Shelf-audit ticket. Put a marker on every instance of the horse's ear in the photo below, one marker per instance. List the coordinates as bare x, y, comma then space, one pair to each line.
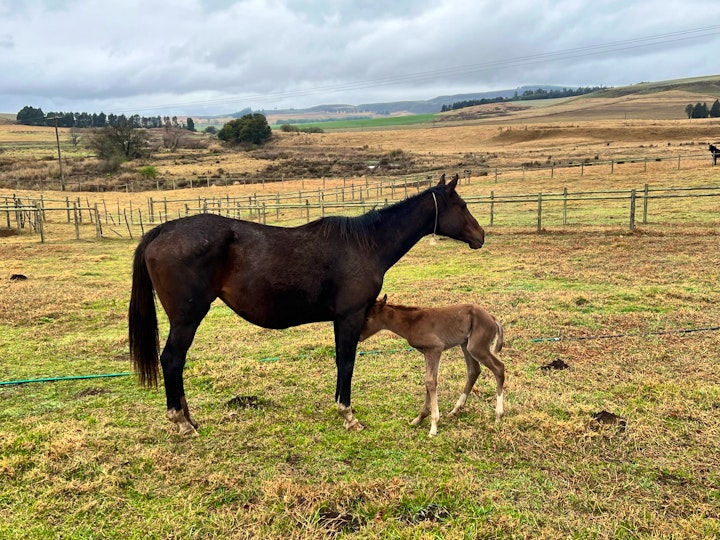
442, 180
384, 300
453, 183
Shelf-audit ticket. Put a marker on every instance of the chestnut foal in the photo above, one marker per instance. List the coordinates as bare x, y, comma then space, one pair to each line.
434, 330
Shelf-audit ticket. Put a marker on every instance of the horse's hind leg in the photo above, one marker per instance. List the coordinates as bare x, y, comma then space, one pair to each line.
473, 371
482, 353
172, 361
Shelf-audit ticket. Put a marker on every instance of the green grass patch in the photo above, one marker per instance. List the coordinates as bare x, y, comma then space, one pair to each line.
374, 123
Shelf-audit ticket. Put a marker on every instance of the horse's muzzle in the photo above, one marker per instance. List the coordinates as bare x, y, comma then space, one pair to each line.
476, 244
476, 239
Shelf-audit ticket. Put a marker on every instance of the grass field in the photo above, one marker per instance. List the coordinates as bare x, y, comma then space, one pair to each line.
96, 458
375, 123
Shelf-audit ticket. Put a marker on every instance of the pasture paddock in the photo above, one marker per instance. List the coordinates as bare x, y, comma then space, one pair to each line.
92, 458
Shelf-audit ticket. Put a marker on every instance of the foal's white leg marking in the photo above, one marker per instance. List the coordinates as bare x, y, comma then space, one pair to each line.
459, 405
435, 415
178, 418
350, 423
499, 407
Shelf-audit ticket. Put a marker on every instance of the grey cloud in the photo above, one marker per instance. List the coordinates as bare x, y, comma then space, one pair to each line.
225, 55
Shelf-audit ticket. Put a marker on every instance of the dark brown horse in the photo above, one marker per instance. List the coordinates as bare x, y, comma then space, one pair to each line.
331, 269
715, 152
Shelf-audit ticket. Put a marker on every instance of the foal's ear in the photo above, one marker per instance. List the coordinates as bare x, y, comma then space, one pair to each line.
383, 301
442, 180
453, 183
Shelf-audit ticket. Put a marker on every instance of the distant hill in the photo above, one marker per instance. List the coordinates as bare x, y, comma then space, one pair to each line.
433, 105
666, 100
702, 86
708, 85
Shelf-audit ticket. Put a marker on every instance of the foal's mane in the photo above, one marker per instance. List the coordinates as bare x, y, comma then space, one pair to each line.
359, 228
400, 307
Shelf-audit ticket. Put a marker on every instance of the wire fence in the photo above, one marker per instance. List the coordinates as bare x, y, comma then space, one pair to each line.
70, 218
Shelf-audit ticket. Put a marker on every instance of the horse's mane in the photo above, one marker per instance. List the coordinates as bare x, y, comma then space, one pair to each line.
358, 228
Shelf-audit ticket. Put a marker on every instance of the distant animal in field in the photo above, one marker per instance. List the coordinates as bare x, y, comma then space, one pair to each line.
434, 330
715, 153
331, 269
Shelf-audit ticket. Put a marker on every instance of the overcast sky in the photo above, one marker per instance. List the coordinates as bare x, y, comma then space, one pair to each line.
196, 57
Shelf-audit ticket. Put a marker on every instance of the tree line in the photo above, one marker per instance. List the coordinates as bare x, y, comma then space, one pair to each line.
539, 93
31, 116
701, 110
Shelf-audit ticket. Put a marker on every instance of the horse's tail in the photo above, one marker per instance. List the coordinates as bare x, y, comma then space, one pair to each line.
500, 341
142, 317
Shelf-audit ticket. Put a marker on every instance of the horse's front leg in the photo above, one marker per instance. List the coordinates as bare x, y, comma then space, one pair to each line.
432, 366
347, 331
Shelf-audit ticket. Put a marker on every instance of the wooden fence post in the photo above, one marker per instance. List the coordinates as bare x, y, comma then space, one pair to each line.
565, 196
632, 210
539, 213
39, 220
77, 224
492, 208
98, 224
646, 195
127, 224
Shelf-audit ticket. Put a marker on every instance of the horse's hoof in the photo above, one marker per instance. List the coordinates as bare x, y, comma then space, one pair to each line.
188, 431
185, 428
354, 426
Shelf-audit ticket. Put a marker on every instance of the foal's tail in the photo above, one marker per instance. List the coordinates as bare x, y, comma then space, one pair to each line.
500, 342
142, 318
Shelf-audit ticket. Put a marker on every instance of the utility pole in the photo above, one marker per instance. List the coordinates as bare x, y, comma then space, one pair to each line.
57, 138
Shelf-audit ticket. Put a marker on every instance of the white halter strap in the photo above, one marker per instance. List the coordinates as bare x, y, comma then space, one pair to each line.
436, 213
